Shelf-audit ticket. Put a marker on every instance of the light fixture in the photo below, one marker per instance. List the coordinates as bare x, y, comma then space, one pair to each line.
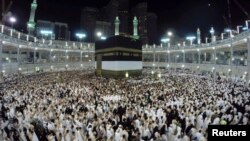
12, 20
191, 39
212, 30
81, 35
99, 34
228, 30
170, 33
103, 38
46, 32
152, 72
165, 40
244, 28
126, 75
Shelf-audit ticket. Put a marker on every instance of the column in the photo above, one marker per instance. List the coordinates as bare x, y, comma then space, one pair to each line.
158, 61
169, 58
2, 27
205, 57
245, 60
40, 56
81, 56
10, 56
1, 61
166, 59
184, 57
18, 55
248, 59
232, 55
93, 55
154, 60
175, 61
50, 56
192, 57
65, 57
90, 47
215, 57
199, 56
34, 56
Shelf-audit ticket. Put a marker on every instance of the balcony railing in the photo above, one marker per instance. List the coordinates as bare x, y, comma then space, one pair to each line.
15, 37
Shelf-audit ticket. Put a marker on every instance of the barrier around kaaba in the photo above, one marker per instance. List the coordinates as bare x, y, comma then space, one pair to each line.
119, 56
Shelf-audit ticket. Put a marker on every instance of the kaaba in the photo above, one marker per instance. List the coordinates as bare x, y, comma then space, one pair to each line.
119, 56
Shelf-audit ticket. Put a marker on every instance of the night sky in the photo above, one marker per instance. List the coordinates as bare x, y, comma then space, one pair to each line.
181, 16
185, 16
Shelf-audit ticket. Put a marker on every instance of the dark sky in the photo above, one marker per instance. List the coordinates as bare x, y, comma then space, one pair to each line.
68, 11
185, 16
181, 16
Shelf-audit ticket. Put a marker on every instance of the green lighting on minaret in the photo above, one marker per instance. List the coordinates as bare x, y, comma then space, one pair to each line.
135, 24
31, 24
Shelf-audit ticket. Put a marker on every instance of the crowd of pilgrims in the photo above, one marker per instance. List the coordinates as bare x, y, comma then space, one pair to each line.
69, 106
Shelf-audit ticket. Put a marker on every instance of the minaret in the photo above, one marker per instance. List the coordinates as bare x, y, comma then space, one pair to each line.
212, 34
135, 24
117, 24
31, 24
198, 36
